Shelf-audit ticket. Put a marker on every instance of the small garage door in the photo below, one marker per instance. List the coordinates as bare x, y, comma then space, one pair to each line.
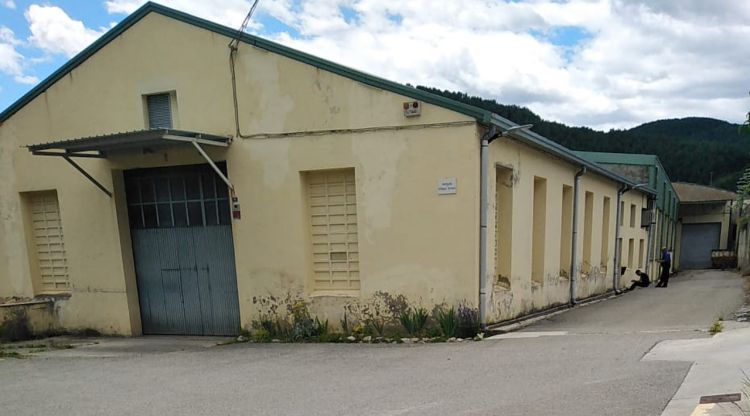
697, 242
183, 251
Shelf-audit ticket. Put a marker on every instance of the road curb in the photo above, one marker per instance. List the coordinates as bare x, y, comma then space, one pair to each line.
526, 320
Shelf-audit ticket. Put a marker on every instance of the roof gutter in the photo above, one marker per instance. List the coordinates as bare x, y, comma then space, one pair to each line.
546, 145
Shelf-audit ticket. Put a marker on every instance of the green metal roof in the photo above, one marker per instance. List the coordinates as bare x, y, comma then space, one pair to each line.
481, 115
656, 179
620, 158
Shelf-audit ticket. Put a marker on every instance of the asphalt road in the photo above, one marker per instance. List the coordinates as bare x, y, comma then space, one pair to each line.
592, 366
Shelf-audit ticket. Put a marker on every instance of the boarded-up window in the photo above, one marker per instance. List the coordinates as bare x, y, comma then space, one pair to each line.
47, 233
604, 256
566, 230
539, 229
333, 219
588, 221
503, 225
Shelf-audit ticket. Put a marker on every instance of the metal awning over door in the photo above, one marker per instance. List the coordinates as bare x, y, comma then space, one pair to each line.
141, 140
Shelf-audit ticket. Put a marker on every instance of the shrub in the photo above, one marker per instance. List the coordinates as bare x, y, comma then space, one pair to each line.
414, 320
377, 326
261, 335
447, 321
468, 321
320, 327
16, 327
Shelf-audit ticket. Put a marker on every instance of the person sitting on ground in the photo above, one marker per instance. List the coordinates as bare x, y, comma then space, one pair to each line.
643, 282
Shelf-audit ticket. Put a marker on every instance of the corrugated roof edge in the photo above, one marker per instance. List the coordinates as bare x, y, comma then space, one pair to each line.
541, 142
628, 159
471, 111
481, 115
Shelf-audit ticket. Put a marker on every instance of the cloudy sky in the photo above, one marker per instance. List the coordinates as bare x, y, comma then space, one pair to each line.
598, 63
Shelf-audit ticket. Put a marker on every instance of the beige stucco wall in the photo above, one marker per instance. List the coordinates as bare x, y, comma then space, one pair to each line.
525, 295
412, 240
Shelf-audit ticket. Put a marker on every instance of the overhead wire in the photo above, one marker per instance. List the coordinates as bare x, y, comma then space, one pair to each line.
233, 46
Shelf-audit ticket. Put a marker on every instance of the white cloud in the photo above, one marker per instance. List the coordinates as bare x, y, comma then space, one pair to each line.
53, 31
227, 12
11, 61
640, 60
10, 4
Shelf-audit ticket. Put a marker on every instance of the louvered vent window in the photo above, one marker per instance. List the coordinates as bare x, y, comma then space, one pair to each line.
48, 242
159, 111
333, 220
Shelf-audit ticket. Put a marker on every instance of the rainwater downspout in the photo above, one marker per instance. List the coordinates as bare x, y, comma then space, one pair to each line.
491, 134
574, 243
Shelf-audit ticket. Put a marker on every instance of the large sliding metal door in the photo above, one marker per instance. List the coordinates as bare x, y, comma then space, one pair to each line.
183, 251
698, 240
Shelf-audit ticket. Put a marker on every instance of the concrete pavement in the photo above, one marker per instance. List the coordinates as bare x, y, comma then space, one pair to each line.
721, 363
586, 361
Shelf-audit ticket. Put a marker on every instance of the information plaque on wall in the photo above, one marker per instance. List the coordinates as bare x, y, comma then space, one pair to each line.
446, 186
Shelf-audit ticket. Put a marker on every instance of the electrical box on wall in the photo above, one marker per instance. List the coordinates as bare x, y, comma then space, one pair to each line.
412, 108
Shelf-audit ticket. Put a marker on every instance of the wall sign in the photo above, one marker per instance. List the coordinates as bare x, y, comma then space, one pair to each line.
446, 186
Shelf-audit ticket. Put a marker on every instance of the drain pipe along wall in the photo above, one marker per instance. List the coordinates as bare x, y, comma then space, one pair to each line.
487, 137
574, 237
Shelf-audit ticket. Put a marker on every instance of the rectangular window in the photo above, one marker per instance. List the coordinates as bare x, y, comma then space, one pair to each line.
622, 213
632, 215
332, 203
503, 225
185, 196
566, 230
640, 253
605, 233
159, 109
631, 251
619, 251
588, 221
48, 242
539, 230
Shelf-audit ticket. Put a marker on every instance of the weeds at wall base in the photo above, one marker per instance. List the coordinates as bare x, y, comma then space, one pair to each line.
381, 319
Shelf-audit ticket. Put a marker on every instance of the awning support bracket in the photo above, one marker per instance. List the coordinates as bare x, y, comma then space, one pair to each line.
213, 165
86, 174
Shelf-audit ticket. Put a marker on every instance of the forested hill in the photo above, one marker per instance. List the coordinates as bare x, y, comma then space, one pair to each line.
692, 149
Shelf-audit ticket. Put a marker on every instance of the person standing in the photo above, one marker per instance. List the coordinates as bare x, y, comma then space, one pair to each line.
666, 266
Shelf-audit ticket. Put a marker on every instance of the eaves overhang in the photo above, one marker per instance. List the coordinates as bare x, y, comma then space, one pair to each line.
544, 144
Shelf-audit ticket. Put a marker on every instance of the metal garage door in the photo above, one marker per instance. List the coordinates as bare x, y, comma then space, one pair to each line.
697, 242
183, 251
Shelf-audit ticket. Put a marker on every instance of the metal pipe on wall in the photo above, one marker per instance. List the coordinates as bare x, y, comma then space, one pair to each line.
483, 182
574, 237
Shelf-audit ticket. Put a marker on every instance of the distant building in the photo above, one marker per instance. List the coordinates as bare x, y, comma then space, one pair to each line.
140, 195
648, 169
708, 218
